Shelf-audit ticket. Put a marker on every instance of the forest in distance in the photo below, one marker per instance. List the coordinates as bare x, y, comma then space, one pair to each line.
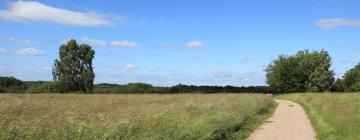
13, 85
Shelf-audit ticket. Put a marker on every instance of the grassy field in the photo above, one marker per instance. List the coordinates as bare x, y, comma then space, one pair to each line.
334, 116
75, 116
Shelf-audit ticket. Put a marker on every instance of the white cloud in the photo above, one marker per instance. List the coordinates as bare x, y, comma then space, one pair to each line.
21, 11
29, 51
125, 43
23, 41
130, 67
94, 42
3, 50
247, 58
195, 44
336, 22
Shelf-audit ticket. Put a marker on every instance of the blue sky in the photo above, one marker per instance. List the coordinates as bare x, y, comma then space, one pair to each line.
166, 42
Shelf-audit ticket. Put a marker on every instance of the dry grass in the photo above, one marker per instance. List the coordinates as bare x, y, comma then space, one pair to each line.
74, 116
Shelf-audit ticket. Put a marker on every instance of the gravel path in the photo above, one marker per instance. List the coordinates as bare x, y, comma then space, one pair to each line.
288, 122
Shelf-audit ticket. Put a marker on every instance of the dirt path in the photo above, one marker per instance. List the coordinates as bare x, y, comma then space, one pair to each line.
288, 122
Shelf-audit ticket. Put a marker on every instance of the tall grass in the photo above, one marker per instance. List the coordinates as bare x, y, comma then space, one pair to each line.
195, 116
334, 116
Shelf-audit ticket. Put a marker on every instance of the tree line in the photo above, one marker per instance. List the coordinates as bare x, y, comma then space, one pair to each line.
305, 71
13, 85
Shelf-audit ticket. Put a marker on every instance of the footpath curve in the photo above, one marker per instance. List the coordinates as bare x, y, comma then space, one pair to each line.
288, 122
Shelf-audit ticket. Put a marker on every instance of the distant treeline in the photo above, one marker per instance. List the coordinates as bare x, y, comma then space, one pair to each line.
147, 88
13, 85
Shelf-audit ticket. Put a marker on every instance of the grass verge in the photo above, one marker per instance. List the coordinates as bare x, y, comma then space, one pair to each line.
333, 116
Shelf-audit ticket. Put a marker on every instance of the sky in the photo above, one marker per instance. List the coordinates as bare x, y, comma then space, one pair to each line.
166, 42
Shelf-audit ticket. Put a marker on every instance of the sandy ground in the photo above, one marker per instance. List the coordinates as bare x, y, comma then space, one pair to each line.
288, 122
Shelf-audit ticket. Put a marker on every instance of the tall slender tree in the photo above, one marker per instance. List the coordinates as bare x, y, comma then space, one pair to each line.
86, 55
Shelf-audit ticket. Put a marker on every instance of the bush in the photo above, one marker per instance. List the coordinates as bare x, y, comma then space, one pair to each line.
11, 85
43, 87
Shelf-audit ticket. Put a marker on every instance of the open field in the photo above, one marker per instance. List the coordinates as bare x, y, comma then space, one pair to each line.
75, 116
334, 116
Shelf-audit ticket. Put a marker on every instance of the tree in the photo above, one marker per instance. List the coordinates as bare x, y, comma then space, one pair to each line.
73, 70
321, 79
284, 75
86, 55
304, 71
11, 84
339, 85
352, 79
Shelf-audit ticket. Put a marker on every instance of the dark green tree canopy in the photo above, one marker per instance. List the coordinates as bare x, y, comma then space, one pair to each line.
351, 79
304, 71
73, 70
339, 85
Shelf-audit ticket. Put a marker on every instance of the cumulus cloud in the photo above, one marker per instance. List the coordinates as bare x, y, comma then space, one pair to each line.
94, 42
3, 50
336, 22
125, 43
29, 52
26, 11
130, 67
195, 44
23, 41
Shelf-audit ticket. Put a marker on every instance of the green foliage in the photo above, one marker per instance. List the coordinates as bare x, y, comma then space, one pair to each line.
73, 70
131, 88
334, 116
320, 80
43, 87
11, 85
304, 71
352, 79
147, 88
339, 85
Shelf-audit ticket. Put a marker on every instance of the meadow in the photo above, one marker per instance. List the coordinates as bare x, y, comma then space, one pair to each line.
146, 116
333, 115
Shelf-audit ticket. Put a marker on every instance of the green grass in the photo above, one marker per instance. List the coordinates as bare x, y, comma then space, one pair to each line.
334, 116
76, 116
